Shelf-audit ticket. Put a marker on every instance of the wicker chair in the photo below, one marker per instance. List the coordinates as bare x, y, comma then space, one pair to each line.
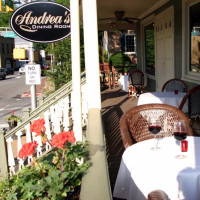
157, 195
136, 82
175, 84
193, 100
134, 123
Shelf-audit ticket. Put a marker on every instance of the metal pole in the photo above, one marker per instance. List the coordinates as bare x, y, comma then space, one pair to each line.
33, 87
31, 61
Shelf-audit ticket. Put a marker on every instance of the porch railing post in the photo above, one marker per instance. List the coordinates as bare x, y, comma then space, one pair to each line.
3, 153
26, 112
41, 100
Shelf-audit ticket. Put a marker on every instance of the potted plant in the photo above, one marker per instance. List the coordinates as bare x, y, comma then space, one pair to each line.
56, 175
13, 120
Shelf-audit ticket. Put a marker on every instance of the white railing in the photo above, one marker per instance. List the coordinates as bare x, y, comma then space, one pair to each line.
57, 113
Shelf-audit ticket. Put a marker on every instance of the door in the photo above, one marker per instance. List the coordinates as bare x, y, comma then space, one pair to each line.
164, 47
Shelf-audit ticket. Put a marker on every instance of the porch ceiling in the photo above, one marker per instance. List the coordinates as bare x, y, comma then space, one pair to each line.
132, 9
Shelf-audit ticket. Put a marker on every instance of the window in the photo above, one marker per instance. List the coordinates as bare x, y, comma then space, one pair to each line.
191, 41
149, 49
194, 38
130, 43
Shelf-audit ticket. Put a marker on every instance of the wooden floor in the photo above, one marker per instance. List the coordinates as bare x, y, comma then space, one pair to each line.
115, 102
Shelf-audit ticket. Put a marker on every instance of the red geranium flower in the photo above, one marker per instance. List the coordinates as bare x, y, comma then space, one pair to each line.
27, 149
60, 139
38, 126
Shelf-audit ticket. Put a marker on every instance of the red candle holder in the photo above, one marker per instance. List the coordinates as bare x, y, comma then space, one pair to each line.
175, 91
184, 146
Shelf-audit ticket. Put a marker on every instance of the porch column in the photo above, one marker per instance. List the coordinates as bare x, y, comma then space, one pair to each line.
76, 75
91, 53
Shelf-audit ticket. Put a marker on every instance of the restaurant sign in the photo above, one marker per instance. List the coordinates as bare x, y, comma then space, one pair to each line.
41, 22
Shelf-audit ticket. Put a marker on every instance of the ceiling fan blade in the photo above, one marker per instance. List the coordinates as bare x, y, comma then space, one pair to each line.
105, 19
132, 18
128, 20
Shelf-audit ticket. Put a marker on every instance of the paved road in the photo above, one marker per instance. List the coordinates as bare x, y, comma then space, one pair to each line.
11, 91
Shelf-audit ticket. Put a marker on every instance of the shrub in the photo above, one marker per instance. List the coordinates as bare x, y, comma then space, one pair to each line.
120, 59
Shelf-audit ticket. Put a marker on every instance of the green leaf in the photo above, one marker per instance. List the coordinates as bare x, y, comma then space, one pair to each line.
77, 182
64, 194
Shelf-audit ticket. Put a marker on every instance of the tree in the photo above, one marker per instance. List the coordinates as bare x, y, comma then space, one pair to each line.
5, 19
61, 72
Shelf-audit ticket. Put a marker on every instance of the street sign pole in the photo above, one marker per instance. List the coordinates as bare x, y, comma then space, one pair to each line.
33, 87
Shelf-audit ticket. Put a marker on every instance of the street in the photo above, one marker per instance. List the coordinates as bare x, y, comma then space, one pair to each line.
11, 90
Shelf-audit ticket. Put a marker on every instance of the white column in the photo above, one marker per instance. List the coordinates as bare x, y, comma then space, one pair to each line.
91, 53
76, 72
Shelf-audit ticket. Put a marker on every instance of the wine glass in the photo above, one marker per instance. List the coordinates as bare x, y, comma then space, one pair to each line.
180, 133
154, 128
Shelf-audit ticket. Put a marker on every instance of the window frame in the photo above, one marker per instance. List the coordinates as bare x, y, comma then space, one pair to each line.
134, 35
187, 75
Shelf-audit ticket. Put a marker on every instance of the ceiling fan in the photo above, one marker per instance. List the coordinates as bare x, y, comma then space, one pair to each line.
119, 16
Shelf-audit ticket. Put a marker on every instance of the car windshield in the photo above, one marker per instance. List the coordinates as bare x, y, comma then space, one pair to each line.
1, 70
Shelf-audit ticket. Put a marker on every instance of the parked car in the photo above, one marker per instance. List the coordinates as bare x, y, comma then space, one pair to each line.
2, 73
9, 70
22, 70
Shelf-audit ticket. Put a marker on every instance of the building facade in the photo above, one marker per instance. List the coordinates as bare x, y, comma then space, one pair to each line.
6, 52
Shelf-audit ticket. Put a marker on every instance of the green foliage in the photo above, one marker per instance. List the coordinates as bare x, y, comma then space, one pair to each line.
4, 19
57, 184
60, 74
64, 2
150, 49
105, 54
12, 118
120, 59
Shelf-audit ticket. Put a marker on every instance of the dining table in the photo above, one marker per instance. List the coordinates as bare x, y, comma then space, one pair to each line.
143, 170
169, 98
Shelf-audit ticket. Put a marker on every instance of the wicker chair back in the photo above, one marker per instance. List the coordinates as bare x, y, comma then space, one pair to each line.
193, 98
174, 84
134, 123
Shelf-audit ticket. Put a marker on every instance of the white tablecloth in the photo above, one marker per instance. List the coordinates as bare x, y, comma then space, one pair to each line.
143, 170
163, 97
123, 82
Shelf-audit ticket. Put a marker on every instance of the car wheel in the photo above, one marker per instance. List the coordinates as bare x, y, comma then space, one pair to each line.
4, 77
